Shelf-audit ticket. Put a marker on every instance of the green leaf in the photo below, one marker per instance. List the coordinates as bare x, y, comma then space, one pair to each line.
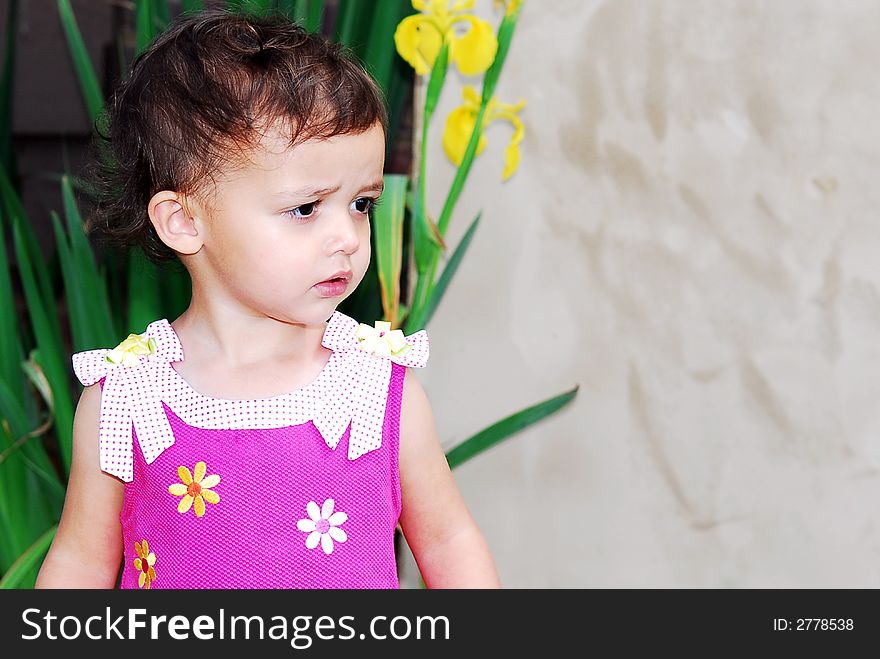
388, 227
176, 285
28, 560
427, 237
82, 63
86, 187
292, 9
14, 521
151, 19
314, 15
144, 294
143, 21
161, 15
17, 218
26, 505
440, 288
32, 452
436, 82
380, 53
11, 352
192, 6
79, 323
14, 531
93, 296
425, 243
256, 7
37, 377
400, 87
462, 172
50, 348
505, 36
353, 21
402, 313
122, 62
508, 426
12, 411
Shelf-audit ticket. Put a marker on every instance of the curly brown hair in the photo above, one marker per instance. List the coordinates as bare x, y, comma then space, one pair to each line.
194, 102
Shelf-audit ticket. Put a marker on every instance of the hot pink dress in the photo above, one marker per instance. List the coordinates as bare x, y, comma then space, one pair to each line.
300, 490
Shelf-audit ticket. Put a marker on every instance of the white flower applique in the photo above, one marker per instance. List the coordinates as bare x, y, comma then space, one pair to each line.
323, 526
129, 352
381, 340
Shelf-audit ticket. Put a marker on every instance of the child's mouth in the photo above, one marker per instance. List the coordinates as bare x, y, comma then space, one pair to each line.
343, 276
332, 287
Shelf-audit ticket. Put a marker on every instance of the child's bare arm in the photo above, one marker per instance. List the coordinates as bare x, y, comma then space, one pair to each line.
88, 545
447, 544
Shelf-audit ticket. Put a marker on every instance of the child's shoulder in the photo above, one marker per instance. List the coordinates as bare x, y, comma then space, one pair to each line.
88, 408
157, 343
415, 406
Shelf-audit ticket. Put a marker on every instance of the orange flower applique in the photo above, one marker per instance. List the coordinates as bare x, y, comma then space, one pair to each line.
145, 562
194, 489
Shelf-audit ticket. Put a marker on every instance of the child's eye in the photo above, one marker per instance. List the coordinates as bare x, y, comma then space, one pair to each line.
364, 204
306, 210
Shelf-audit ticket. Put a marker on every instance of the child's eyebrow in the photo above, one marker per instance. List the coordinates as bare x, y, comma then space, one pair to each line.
310, 191
376, 186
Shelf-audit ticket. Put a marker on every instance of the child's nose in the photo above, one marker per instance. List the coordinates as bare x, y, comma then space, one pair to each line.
344, 233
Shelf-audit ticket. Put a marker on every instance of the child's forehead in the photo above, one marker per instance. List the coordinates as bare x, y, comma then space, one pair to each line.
277, 137
266, 143
279, 142
276, 151
266, 151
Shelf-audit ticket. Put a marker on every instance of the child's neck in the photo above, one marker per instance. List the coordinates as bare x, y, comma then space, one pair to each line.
238, 337
250, 358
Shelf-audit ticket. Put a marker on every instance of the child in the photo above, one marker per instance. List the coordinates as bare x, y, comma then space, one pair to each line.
263, 439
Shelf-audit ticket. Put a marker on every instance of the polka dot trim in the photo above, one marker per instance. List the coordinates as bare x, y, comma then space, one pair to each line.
351, 389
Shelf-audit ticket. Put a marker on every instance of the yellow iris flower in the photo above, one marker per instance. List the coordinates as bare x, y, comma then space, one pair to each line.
194, 489
418, 38
511, 6
460, 124
129, 352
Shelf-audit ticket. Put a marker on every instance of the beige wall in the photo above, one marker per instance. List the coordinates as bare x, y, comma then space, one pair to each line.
692, 239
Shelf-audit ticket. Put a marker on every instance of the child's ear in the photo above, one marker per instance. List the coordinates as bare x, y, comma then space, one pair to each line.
176, 227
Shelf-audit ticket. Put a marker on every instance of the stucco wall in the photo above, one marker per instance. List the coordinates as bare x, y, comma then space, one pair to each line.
692, 238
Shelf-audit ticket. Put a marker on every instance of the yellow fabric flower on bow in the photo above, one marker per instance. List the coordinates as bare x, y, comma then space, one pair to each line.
418, 38
194, 489
460, 124
144, 563
381, 340
129, 352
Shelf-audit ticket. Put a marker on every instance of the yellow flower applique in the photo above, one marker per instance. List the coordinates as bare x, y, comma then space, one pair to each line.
129, 352
194, 489
418, 38
144, 563
381, 340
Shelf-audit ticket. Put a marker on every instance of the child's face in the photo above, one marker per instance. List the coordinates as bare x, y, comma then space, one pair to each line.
289, 220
